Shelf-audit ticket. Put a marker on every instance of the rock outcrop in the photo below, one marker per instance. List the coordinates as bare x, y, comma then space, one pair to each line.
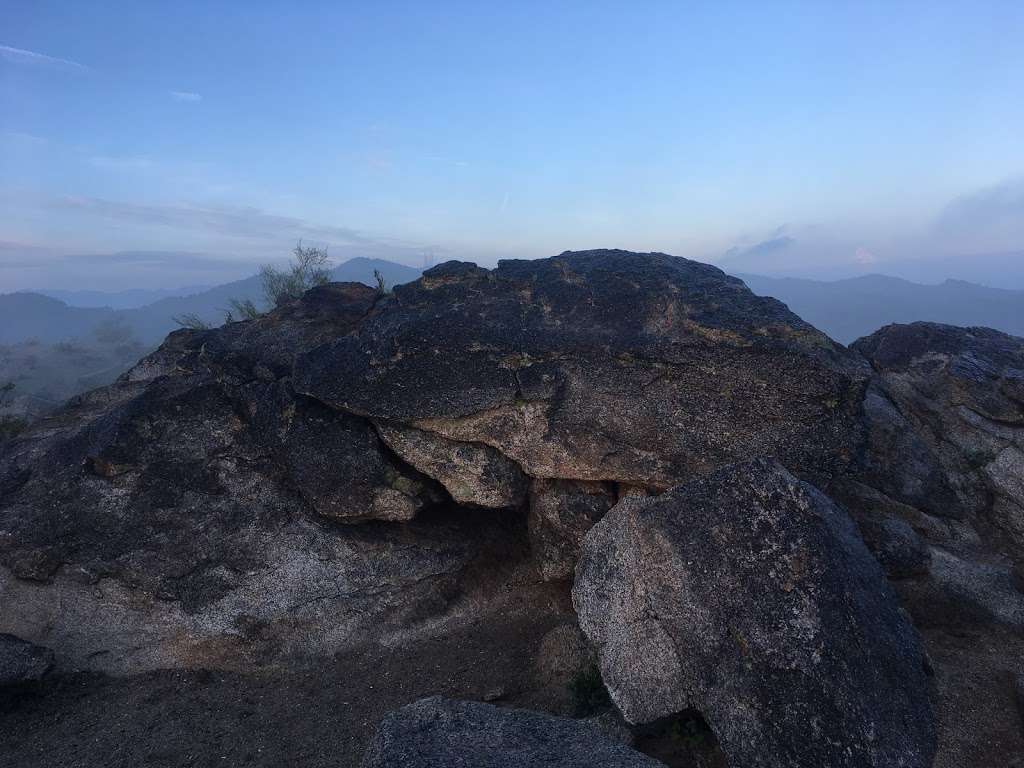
947, 436
185, 515
749, 596
643, 370
367, 467
437, 733
195, 499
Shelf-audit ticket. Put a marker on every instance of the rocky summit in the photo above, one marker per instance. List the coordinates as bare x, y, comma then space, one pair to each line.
645, 515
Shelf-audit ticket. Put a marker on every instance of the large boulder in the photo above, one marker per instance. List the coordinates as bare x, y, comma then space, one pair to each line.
946, 426
439, 733
640, 369
192, 508
185, 516
749, 596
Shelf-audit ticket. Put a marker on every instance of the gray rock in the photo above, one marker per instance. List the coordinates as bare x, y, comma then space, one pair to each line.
472, 473
21, 661
441, 733
561, 513
749, 596
185, 515
642, 369
956, 400
563, 653
901, 552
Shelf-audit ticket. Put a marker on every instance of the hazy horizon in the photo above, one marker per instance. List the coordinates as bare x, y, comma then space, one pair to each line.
156, 149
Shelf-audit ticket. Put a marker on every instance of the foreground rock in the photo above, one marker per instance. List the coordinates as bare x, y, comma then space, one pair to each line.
22, 662
639, 369
439, 733
191, 510
946, 420
749, 596
185, 516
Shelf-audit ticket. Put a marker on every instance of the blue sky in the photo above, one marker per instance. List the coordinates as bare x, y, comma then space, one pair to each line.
807, 138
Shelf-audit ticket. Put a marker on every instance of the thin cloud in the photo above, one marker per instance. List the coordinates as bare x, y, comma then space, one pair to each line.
230, 221
764, 248
987, 213
190, 260
121, 163
33, 59
187, 96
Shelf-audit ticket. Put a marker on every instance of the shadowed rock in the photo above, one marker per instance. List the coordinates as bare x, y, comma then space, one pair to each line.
21, 661
439, 733
749, 596
179, 515
561, 513
958, 395
472, 473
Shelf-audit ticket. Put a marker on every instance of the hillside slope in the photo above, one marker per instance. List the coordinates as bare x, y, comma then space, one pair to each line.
849, 309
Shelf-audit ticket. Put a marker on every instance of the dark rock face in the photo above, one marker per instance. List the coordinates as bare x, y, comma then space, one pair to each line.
642, 369
958, 396
473, 474
944, 455
561, 513
438, 733
359, 467
22, 662
183, 515
190, 507
748, 595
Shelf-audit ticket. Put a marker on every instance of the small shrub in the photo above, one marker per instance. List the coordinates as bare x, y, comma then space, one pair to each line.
10, 426
310, 267
382, 286
241, 309
192, 321
589, 695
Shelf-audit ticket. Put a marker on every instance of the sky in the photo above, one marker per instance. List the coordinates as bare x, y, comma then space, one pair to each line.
160, 144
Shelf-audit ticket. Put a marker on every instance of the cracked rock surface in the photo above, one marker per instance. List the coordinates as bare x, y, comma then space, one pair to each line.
749, 596
392, 471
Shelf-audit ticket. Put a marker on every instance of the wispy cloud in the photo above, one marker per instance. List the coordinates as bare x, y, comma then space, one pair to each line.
763, 248
187, 96
992, 213
230, 221
181, 260
31, 58
22, 139
121, 163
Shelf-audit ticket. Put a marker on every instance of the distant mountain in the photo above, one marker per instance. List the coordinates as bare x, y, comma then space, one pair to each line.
129, 299
31, 316
154, 321
27, 316
851, 308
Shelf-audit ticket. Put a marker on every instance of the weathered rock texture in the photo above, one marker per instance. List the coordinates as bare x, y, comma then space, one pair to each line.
947, 425
360, 467
183, 516
439, 733
21, 661
561, 513
598, 366
190, 508
749, 596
